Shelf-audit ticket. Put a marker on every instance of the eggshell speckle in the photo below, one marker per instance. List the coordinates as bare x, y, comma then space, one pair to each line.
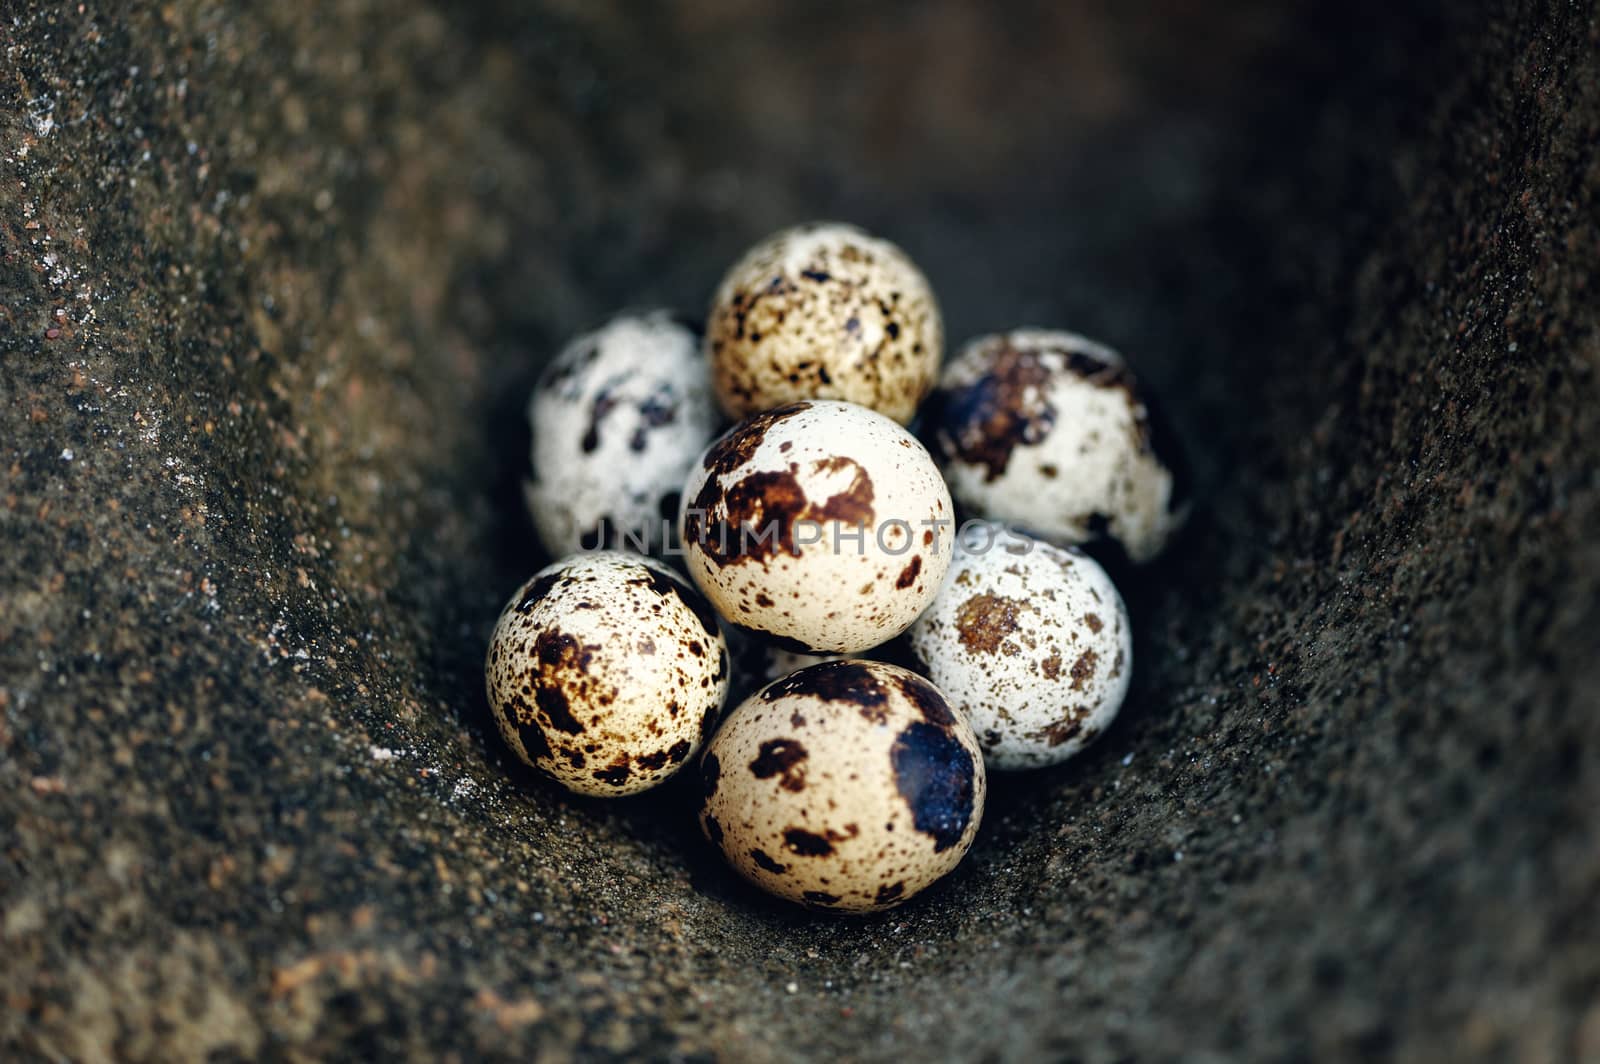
848, 786
617, 420
1031, 642
824, 311
822, 524
607, 671
1051, 432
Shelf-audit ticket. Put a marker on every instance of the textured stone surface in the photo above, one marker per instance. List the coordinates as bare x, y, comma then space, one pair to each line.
273, 282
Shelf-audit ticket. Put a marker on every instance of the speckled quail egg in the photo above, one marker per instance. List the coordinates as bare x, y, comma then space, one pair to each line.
824, 311
1051, 432
607, 671
617, 420
1030, 641
849, 786
823, 525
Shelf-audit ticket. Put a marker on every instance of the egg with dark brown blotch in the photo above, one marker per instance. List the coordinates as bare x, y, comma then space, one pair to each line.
617, 420
1029, 641
824, 311
1053, 432
848, 786
607, 672
822, 526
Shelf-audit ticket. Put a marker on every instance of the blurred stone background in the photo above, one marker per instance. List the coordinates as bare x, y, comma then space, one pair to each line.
275, 278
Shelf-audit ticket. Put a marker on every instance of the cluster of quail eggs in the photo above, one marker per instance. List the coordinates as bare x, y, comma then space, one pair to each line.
861, 499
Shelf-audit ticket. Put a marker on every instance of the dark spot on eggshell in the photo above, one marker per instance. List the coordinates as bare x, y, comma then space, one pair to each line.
984, 621
763, 600
853, 505
1093, 622
927, 700
1083, 669
658, 408
783, 758
819, 897
981, 423
563, 672
658, 759
536, 591
710, 775
889, 892
1051, 666
803, 843
766, 863
604, 403
751, 521
1065, 730
739, 443
937, 778
712, 828
615, 774
1093, 369
521, 716
834, 681
819, 276
908, 575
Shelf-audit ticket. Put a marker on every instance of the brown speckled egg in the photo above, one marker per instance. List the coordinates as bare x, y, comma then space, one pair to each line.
821, 524
847, 786
824, 311
617, 420
606, 671
1031, 642
1051, 432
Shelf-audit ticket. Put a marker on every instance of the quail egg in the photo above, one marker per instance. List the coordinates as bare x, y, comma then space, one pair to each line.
1051, 432
849, 785
607, 671
824, 311
822, 525
1030, 641
617, 420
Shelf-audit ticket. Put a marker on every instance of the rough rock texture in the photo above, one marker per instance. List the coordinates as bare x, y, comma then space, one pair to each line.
274, 278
